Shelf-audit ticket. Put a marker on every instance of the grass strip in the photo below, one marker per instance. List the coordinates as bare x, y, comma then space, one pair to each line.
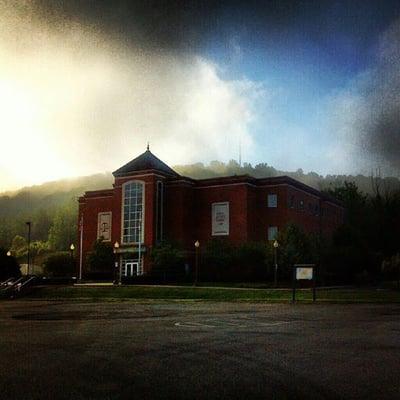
190, 293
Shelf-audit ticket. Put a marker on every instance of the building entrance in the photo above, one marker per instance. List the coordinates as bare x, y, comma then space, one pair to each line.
131, 267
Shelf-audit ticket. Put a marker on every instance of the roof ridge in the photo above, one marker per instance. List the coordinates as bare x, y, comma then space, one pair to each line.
145, 161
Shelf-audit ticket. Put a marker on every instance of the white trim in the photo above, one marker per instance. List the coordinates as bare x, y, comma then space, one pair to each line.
330, 202
227, 184
141, 239
179, 182
264, 186
86, 197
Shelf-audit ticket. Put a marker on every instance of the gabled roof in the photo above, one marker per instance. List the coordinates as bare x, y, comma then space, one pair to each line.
144, 162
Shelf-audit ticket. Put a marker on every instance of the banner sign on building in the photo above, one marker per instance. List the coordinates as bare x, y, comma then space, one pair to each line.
104, 226
220, 219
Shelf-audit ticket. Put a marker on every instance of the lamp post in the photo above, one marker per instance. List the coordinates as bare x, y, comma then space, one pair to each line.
196, 274
8, 253
276, 245
116, 269
29, 246
71, 250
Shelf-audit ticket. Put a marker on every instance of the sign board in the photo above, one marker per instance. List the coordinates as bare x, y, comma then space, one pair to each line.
304, 273
220, 219
104, 226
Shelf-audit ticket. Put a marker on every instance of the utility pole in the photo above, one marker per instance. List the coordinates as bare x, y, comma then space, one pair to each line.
29, 247
140, 247
80, 249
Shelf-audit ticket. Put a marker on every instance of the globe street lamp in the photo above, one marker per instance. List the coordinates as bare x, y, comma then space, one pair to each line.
116, 247
9, 253
71, 250
197, 248
276, 245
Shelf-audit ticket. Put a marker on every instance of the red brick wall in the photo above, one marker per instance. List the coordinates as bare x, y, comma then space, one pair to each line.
236, 195
90, 207
261, 216
149, 181
179, 211
188, 208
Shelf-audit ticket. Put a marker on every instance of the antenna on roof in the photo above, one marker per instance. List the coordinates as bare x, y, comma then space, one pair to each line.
240, 151
148, 146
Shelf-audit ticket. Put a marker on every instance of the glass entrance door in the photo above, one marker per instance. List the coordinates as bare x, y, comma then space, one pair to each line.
130, 269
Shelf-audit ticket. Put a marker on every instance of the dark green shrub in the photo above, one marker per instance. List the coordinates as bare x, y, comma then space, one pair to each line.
249, 261
216, 260
59, 264
9, 267
100, 261
295, 247
168, 261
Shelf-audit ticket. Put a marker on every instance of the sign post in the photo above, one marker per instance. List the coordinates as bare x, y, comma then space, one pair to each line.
304, 272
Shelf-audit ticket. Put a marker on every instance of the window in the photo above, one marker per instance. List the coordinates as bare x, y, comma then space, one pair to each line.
132, 212
301, 205
292, 201
272, 232
272, 201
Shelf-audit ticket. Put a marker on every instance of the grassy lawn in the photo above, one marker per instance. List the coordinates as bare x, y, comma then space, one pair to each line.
215, 294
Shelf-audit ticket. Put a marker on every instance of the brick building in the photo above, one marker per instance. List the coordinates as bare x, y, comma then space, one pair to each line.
149, 202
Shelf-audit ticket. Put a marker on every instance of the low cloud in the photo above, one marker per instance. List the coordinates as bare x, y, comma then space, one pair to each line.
73, 102
366, 116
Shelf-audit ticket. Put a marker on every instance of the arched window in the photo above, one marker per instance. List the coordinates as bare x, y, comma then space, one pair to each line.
133, 202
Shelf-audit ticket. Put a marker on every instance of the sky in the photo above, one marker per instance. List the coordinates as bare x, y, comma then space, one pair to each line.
296, 84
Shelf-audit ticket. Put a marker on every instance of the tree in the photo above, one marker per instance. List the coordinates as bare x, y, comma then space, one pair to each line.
19, 246
63, 231
38, 249
295, 247
9, 267
59, 265
100, 260
167, 260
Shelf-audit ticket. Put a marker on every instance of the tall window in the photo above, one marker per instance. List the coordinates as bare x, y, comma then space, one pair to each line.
132, 212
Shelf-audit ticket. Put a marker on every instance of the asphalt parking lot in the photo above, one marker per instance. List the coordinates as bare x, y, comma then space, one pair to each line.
198, 350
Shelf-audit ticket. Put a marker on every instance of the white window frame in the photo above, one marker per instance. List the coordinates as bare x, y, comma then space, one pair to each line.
132, 222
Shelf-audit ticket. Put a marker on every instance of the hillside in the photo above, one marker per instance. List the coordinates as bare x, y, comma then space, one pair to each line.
44, 204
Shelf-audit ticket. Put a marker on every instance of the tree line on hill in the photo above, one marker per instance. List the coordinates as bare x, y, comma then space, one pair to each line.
366, 245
